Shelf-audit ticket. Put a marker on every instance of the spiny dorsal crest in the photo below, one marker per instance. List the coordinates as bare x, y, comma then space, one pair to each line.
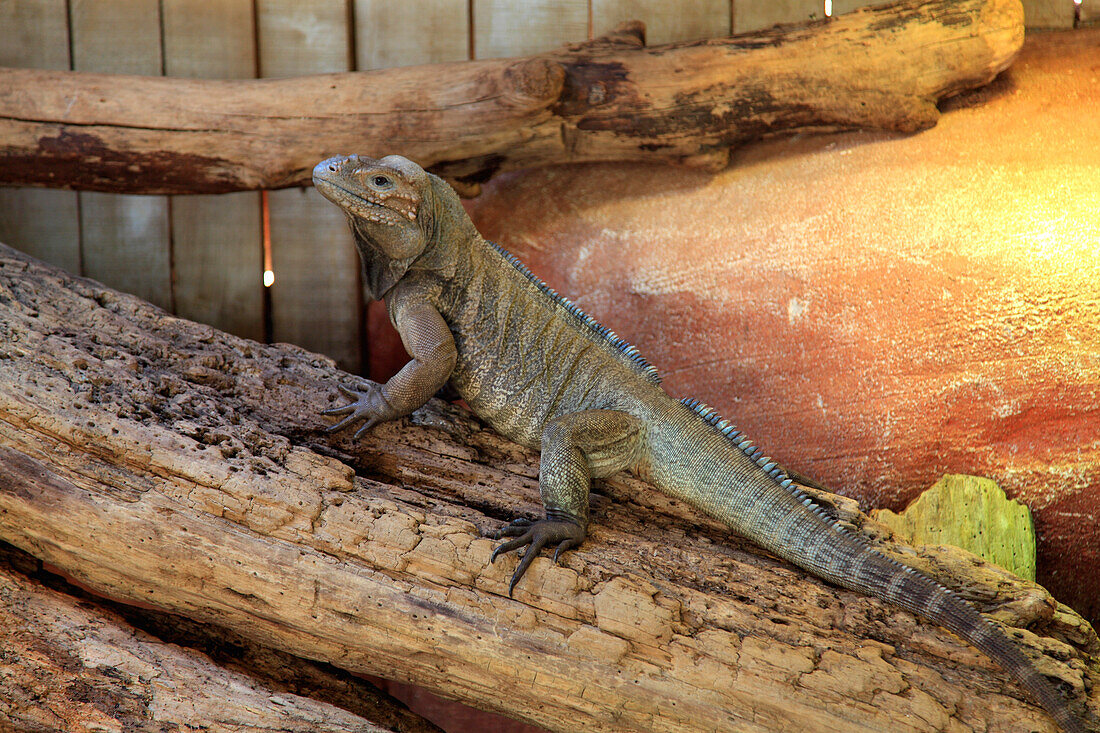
634, 359
770, 467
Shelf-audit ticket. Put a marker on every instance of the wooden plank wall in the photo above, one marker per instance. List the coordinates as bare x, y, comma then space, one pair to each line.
311, 248
203, 257
124, 239
43, 223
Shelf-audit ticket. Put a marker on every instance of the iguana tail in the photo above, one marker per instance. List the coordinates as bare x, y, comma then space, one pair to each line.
756, 498
849, 561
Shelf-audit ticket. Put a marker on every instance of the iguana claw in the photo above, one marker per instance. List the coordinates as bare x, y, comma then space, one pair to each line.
369, 405
567, 532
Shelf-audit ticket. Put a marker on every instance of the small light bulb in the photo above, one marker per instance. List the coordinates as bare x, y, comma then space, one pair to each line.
828, 8
269, 278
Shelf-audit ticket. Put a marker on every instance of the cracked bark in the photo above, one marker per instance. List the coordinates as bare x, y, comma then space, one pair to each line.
608, 99
162, 462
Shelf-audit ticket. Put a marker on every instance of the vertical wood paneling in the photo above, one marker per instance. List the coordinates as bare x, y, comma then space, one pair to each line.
840, 7
118, 37
1049, 13
665, 22
216, 240
209, 40
391, 33
504, 28
751, 15
126, 244
34, 34
1089, 11
315, 299
41, 222
298, 38
124, 238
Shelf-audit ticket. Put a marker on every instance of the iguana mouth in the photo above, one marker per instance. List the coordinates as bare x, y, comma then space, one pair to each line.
384, 215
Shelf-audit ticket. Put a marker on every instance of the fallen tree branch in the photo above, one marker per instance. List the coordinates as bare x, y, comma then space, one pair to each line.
163, 462
610, 99
69, 665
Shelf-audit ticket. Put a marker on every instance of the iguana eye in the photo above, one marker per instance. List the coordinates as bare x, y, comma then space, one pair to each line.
381, 181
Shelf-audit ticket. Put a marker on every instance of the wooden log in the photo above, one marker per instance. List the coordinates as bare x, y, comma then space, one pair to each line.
69, 665
609, 99
160, 461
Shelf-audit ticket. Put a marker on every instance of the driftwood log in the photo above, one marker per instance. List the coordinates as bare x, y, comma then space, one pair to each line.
71, 665
161, 462
608, 99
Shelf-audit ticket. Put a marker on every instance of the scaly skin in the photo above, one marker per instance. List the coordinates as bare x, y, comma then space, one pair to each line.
542, 373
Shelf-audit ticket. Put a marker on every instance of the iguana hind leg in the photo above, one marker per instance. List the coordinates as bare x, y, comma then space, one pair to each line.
576, 448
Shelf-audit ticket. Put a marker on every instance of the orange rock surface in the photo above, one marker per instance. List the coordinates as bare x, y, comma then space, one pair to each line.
875, 310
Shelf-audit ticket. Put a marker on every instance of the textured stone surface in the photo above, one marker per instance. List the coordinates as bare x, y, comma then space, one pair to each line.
876, 310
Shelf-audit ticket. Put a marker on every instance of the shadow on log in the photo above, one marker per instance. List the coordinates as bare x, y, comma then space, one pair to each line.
165, 463
609, 99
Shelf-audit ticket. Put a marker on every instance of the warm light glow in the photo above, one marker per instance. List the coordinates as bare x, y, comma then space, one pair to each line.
828, 8
269, 265
1076, 2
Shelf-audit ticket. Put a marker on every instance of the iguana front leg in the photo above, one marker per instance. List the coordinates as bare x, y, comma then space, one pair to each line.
428, 339
576, 448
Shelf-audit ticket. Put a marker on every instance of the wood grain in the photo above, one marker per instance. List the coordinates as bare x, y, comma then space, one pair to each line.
389, 34
470, 121
503, 28
297, 39
71, 666
665, 22
840, 7
162, 461
753, 16
973, 513
126, 243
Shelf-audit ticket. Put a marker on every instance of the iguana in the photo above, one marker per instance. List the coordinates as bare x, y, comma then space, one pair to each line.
544, 374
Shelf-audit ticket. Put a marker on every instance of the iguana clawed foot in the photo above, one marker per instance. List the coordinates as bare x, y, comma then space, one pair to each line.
369, 405
562, 529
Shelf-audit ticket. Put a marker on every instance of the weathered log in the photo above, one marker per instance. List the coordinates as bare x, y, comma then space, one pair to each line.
47, 624
68, 666
163, 462
609, 99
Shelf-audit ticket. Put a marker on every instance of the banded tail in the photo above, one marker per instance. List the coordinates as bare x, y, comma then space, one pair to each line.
861, 568
785, 520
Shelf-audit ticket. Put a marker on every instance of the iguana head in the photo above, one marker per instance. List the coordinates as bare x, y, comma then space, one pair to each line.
389, 204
